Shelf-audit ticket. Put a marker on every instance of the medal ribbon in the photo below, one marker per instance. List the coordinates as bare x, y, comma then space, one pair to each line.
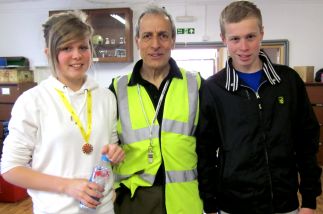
69, 107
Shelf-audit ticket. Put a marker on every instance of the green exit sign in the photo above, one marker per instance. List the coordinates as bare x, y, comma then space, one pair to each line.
185, 30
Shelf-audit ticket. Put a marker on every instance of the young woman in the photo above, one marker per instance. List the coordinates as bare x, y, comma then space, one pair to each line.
60, 128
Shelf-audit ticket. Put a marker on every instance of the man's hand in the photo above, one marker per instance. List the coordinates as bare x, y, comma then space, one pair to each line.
114, 153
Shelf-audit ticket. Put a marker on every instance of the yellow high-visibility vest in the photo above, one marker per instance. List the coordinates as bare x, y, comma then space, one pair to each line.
177, 146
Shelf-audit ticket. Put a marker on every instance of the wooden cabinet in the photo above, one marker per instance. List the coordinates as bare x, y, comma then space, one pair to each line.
113, 36
315, 94
9, 92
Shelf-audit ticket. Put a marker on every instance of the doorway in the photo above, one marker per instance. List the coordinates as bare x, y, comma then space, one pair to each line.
197, 57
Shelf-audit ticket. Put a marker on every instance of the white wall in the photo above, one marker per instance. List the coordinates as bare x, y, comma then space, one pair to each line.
295, 20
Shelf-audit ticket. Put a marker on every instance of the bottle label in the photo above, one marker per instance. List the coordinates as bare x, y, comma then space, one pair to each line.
100, 175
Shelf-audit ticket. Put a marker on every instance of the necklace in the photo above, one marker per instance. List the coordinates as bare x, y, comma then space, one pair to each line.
150, 147
87, 148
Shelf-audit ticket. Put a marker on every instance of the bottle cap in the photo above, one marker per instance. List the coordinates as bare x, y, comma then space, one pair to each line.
105, 158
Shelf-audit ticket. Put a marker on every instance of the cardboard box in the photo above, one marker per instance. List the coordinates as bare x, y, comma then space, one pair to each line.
305, 72
16, 75
4, 76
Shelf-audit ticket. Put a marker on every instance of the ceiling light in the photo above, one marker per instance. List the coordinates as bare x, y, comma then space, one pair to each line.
185, 18
119, 18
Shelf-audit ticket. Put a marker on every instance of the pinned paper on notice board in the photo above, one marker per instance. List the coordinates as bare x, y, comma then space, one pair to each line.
5, 91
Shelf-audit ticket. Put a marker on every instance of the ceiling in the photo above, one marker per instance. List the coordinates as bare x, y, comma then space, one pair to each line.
151, 1
166, 1
14, 1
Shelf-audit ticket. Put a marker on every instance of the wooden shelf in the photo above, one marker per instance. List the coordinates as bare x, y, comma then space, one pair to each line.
112, 39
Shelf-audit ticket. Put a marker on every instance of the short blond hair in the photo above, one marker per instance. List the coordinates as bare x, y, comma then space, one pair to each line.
238, 11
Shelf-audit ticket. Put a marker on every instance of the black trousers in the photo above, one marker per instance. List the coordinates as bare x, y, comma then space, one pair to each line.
147, 200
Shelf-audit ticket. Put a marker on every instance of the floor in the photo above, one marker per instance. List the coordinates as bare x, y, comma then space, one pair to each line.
25, 206
22, 207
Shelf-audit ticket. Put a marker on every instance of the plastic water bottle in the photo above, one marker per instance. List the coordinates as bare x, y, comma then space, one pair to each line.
100, 175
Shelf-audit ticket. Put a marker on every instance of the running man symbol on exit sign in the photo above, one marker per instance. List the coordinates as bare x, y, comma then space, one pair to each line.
185, 30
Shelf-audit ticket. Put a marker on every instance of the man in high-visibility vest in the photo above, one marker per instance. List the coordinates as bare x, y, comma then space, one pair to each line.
158, 114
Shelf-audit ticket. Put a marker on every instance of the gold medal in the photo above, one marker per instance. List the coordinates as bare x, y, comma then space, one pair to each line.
87, 148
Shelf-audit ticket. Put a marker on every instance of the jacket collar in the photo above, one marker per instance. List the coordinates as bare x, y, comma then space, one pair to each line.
137, 79
232, 80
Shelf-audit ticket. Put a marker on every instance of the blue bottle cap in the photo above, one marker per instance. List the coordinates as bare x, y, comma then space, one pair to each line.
105, 158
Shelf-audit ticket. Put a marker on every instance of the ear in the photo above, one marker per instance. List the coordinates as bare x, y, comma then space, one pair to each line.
46, 51
137, 42
223, 38
173, 45
262, 33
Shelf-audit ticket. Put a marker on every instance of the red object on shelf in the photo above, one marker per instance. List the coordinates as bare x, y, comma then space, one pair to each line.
11, 193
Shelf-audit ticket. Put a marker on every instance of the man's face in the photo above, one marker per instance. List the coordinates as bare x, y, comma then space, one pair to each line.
155, 41
243, 40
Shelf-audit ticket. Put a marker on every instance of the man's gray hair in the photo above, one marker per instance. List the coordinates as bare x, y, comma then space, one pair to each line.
153, 9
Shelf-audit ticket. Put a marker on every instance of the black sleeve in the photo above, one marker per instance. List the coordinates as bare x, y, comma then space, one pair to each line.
207, 148
111, 87
307, 144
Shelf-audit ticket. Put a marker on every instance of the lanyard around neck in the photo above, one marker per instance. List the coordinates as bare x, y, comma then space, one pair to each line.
150, 125
86, 134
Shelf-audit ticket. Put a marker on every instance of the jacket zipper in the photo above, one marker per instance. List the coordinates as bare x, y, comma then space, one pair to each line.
265, 144
260, 108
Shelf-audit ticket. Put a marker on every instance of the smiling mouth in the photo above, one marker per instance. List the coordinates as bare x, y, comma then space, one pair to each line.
244, 57
155, 54
76, 65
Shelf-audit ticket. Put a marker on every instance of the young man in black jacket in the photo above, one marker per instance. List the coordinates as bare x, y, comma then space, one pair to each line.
257, 128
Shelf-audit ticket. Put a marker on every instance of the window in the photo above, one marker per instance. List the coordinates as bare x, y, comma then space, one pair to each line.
201, 60
210, 57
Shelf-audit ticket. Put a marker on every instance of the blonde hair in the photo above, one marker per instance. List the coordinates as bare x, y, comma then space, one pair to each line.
238, 11
62, 28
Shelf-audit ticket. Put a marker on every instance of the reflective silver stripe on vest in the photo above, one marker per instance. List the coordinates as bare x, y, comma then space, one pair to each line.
180, 127
181, 176
128, 134
147, 177
118, 178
